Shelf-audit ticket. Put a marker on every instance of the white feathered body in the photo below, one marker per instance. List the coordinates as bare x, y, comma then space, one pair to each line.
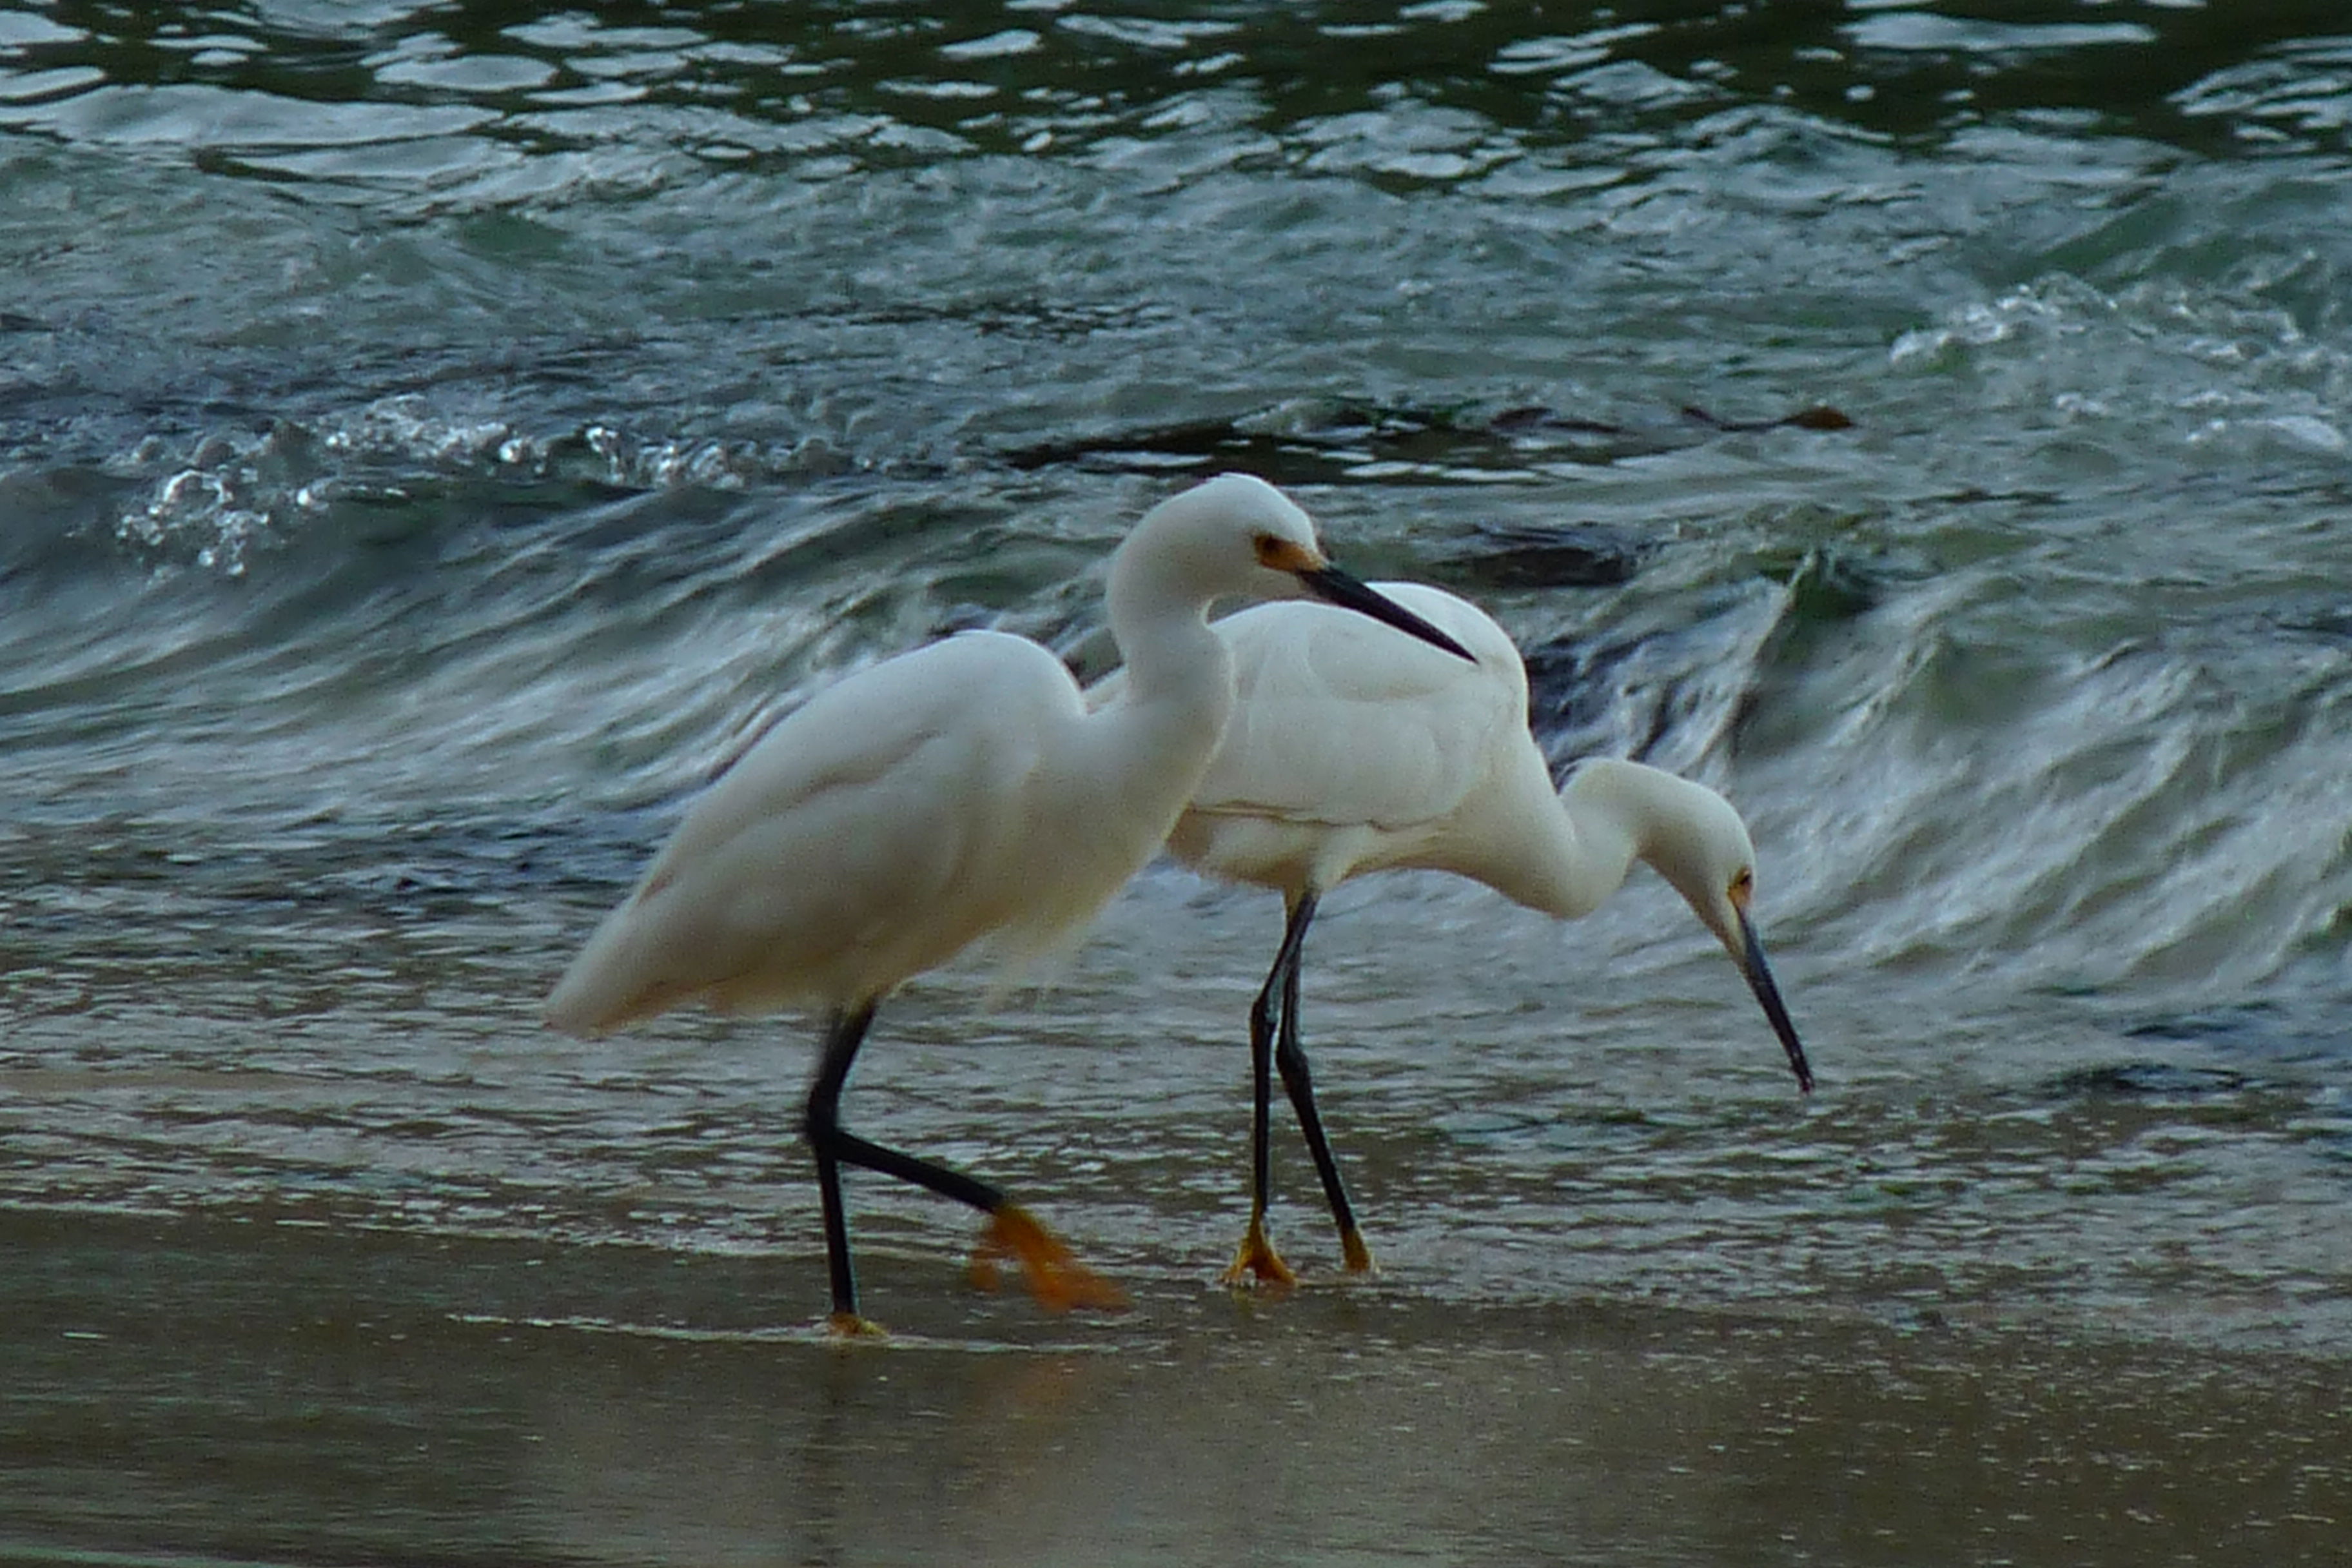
956, 792
1352, 750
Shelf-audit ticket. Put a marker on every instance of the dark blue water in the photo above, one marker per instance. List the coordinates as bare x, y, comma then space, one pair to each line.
432, 438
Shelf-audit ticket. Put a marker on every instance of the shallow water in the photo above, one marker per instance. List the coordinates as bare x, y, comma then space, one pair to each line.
432, 440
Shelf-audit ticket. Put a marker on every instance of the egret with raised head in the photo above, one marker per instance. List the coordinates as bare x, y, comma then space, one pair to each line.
963, 791
1351, 750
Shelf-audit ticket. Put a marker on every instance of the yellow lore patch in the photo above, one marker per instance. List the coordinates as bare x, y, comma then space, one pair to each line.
1284, 555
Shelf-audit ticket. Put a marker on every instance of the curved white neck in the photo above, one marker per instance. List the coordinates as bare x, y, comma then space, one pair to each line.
1582, 843
1158, 737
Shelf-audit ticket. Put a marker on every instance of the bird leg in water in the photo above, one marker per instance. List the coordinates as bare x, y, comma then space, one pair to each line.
1299, 1083
1055, 1278
1274, 1012
822, 1124
1257, 1258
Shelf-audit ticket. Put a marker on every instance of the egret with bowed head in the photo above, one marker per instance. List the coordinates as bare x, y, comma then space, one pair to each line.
959, 792
1351, 750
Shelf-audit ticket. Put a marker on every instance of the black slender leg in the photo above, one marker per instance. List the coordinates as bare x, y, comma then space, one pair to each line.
1258, 1256
1054, 1276
842, 1037
1299, 1083
1263, 1024
1275, 1015
832, 1147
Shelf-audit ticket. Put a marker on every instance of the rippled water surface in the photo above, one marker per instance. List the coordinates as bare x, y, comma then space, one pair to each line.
434, 438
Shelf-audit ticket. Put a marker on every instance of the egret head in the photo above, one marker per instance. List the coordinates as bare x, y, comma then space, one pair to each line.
1236, 536
1699, 844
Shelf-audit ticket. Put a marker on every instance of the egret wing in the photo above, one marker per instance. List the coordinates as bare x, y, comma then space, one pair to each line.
855, 844
1344, 722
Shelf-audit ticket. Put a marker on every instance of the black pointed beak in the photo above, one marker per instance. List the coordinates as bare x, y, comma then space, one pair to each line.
1335, 586
1759, 980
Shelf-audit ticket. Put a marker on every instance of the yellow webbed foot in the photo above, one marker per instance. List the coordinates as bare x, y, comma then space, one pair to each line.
848, 1327
1256, 1262
1351, 1246
1056, 1278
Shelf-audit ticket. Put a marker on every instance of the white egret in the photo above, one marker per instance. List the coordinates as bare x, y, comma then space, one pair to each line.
1350, 750
961, 790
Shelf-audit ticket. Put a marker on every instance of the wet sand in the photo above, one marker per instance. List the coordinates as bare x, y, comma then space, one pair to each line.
191, 1390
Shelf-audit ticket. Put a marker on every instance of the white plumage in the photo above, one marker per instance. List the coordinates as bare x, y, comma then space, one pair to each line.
959, 791
1351, 750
